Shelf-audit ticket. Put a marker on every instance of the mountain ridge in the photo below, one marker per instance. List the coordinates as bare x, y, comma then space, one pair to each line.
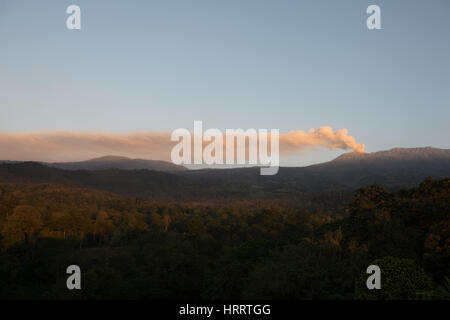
293, 183
125, 163
399, 153
118, 162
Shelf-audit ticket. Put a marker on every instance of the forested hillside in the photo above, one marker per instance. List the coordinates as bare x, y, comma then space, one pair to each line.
330, 181
132, 247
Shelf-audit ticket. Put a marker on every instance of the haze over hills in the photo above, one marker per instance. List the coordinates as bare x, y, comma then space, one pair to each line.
112, 162
398, 167
116, 162
399, 154
395, 168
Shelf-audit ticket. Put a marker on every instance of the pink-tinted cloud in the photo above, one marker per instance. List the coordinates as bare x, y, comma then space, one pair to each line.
55, 146
296, 141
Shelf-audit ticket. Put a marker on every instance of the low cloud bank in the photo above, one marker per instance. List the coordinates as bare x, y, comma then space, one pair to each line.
54, 146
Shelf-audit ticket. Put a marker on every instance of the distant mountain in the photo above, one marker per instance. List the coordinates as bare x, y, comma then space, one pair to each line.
10, 162
397, 155
395, 168
115, 162
398, 167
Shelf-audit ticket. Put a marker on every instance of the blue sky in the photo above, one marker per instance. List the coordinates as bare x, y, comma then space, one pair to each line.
292, 65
